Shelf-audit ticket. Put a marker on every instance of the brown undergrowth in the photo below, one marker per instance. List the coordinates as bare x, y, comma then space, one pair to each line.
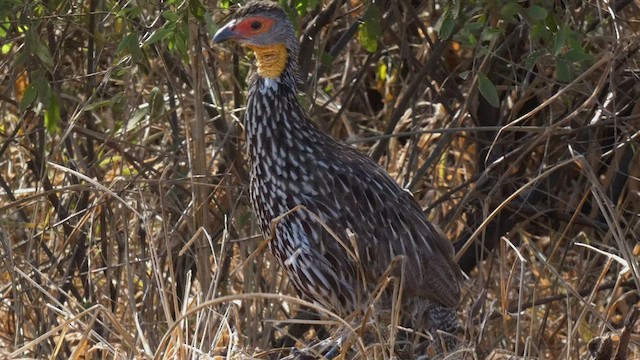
125, 230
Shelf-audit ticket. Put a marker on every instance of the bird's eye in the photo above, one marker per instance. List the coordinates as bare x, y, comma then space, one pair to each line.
256, 25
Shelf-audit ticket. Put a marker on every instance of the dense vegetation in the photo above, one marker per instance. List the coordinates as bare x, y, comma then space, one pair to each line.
125, 229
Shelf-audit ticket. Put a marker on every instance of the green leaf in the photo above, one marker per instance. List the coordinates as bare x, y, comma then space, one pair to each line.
482, 52
6, 48
197, 10
125, 42
130, 12
28, 97
52, 115
536, 12
488, 90
445, 27
563, 70
137, 117
476, 26
472, 40
160, 35
3, 33
382, 71
44, 89
301, 7
210, 25
490, 34
533, 57
180, 41
156, 103
509, 12
170, 15
552, 23
131, 45
560, 40
538, 31
369, 29
118, 103
577, 55
42, 52
327, 59
97, 104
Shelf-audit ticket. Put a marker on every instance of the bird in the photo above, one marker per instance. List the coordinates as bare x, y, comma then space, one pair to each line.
338, 222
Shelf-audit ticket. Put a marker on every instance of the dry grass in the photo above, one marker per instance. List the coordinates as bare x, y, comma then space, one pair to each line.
125, 230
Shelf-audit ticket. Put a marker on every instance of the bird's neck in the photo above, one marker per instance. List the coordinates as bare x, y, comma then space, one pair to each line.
273, 110
279, 141
275, 121
271, 60
277, 65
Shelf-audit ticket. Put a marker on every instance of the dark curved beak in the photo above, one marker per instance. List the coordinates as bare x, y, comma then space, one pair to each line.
226, 32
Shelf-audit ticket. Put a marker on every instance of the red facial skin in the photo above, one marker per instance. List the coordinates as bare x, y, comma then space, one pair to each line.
252, 26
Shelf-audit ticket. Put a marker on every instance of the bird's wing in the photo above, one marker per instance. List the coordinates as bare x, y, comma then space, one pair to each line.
386, 222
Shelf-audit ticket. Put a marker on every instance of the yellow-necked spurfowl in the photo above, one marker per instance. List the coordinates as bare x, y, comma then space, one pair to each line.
371, 219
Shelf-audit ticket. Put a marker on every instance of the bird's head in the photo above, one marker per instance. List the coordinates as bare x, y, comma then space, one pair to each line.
266, 29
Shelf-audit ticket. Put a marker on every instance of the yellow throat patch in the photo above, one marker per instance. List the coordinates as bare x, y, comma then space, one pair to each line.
272, 59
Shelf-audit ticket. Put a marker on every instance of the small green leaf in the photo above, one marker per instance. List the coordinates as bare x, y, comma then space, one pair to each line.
210, 25
472, 40
118, 103
510, 10
180, 41
137, 117
538, 31
160, 35
446, 26
482, 52
125, 42
131, 12
130, 44
537, 13
44, 90
28, 97
533, 57
29, 42
52, 115
156, 103
3, 33
577, 55
197, 10
488, 90
382, 71
490, 34
552, 23
369, 29
327, 59
42, 52
303, 6
563, 70
170, 15
476, 26
97, 104
560, 40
